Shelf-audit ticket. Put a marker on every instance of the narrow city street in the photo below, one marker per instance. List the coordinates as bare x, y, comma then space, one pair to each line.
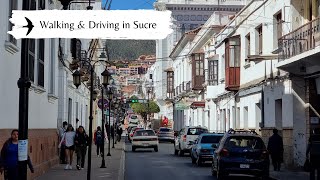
146, 164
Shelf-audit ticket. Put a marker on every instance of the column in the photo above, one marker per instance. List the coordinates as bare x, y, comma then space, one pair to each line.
306, 11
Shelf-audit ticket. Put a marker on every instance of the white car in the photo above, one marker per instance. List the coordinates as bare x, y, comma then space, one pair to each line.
185, 138
145, 139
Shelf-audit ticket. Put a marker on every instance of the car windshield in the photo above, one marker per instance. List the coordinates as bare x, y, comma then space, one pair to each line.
165, 130
196, 131
244, 142
144, 133
210, 139
133, 117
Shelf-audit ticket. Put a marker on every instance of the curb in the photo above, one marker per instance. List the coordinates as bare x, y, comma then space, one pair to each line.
122, 163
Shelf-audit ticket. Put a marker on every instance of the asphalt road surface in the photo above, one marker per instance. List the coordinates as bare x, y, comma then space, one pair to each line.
146, 164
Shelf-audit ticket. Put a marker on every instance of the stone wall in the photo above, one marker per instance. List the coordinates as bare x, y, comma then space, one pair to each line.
43, 149
287, 135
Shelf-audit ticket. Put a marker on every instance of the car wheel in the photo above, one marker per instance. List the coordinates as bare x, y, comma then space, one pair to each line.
193, 160
133, 149
199, 161
265, 176
213, 172
175, 151
156, 149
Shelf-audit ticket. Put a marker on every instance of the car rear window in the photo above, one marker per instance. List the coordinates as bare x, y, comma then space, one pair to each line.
133, 117
196, 131
144, 133
210, 139
244, 142
165, 130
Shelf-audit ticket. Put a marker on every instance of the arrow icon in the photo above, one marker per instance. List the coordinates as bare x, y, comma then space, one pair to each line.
29, 26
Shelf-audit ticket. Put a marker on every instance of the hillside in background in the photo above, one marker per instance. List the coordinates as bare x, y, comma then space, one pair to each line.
130, 49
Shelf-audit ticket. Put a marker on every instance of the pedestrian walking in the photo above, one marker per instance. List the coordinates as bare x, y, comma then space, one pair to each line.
81, 141
314, 151
62, 149
119, 132
9, 158
275, 148
98, 140
68, 139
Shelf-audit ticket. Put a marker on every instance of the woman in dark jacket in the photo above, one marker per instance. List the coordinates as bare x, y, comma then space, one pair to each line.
9, 157
81, 141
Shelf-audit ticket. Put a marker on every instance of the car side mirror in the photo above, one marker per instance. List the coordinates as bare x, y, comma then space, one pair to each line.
214, 146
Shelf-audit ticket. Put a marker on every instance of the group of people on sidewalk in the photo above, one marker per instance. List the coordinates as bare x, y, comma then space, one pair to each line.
73, 141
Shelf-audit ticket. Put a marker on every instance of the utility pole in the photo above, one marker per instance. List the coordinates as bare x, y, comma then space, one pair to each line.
24, 84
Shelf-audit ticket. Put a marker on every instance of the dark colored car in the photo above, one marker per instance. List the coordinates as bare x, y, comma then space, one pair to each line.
241, 152
204, 146
166, 134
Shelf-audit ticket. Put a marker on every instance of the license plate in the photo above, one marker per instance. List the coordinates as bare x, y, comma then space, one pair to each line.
145, 144
244, 166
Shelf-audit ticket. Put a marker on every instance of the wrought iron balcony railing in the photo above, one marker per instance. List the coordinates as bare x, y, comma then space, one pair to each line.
300, 40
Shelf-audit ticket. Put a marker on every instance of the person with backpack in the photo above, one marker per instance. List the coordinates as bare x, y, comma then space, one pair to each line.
314, 151
9, 158
98, 140
81, 141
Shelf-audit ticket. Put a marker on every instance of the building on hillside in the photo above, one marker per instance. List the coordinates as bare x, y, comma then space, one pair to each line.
186, 15
52, 96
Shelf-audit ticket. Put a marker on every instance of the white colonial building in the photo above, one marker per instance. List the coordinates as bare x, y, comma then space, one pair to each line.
255, 71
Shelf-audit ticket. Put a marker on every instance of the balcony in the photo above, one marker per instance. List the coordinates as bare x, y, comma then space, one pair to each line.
297, 49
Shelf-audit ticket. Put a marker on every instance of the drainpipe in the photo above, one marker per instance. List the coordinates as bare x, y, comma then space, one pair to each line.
262, 107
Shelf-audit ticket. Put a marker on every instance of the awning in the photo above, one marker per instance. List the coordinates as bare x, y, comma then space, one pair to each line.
198, 104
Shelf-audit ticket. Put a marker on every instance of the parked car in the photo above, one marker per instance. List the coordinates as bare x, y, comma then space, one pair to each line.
145, 139
187, 135
241, 152
133, 130
165, 134
204, 147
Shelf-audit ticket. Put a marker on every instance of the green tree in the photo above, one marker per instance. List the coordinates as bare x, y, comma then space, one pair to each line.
143, 109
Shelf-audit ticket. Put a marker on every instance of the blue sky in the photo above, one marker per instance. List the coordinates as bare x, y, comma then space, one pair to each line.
130, 4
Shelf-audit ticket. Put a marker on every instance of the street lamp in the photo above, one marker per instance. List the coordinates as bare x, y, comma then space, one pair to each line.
110, 94
105, 81
93, 95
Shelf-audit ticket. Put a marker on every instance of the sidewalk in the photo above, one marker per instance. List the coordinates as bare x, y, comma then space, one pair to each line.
114, 164
285, 174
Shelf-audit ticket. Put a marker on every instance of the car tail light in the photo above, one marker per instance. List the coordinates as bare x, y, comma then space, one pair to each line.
264, 154
224, 152
184, 138
131, 135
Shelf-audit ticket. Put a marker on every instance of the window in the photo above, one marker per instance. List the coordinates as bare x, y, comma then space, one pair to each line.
279, 25
259, 31
233, 52
69, 111
13, 5
248, 45
199, 64
41, 62
210, 139
170, 81
52, 66
76, 49
196, 131
213, 72
244, 142
31, 58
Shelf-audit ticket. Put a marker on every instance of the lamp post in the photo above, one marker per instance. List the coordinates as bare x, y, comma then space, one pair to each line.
77, 82
109, 127
114, 118
105, 83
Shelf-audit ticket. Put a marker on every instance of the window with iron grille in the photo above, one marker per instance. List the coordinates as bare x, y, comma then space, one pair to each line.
170, 79
213, 72
259, 31
41, 62
76, 49
13, 5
